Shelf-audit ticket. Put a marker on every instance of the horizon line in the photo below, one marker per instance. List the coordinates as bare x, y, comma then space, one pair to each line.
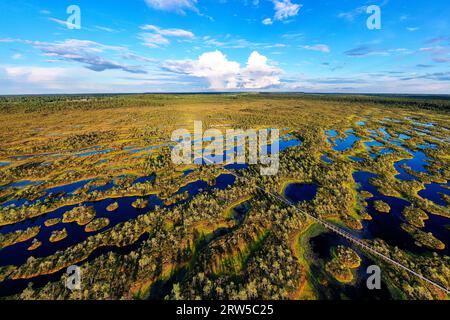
226, 92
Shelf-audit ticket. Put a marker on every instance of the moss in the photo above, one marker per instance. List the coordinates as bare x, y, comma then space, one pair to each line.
140, 204
58, 235
52, 222
381, 206
347, 257
97, 224
339, 272
423, 238
275, 269
36, 244
112, 207
82, 215
15, 237
415, 216
366, 194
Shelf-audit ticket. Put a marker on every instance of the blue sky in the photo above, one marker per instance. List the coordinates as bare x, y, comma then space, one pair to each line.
224, 45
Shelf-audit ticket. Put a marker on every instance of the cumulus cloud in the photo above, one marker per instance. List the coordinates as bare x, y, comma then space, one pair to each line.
178, 6
258, 73
222, 73
214, 66
318, 47
285, 9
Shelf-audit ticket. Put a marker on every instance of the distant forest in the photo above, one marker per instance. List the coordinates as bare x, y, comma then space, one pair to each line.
49, 103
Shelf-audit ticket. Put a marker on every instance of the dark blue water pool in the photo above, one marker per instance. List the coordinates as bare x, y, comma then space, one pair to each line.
346, 143
321, 246
326, 159
417, 163
432, 192
386, 226
18, 253
298, 192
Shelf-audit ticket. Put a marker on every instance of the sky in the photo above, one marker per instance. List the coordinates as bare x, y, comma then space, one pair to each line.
136, 46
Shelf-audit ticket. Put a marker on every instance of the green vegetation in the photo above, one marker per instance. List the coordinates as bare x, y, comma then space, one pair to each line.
52, 222
424, 238
18, 236
343, 261
81, 215
97, 224
415, 216
113, 207
35, 244
347, 257
140, 204
382, 206
195, 247
58, 235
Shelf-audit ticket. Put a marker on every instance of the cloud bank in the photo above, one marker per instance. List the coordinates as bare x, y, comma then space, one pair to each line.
86, 52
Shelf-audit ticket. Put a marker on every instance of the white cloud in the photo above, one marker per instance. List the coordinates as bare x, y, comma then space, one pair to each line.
369, 83
102, 28
50, 77
351, 15
318, 47
179, 33
267, 21
17, 56
82, 51
152, 40
62, 80
178, 6
214, 66
258, 74
285, 9
436, 49
158, 38
224, 74
441, 59
64, 23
